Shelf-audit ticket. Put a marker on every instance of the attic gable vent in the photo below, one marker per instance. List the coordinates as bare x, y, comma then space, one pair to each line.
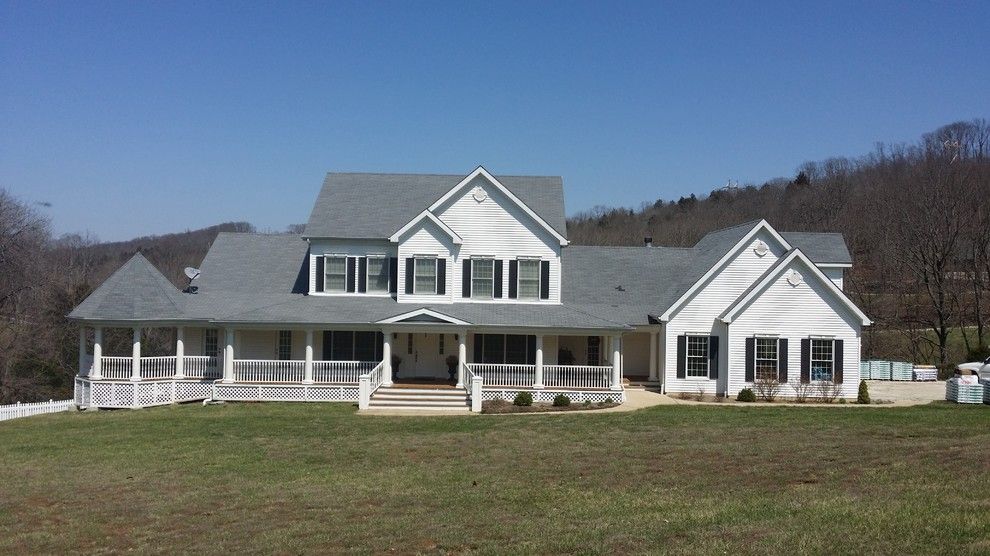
761, 248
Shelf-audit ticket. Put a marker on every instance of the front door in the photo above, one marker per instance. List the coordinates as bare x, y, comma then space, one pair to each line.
427, 359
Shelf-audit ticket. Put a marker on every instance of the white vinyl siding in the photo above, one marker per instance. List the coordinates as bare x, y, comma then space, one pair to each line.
351, 248
482, 278
529, 279
425, 239
336, 274
498, 228
377, 274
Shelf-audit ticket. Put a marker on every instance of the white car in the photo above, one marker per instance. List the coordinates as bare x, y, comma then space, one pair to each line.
981, 369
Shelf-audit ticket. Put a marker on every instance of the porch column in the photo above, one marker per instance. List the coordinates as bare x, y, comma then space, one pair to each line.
180, 352
461, 357
308, 365
538, 381
136, 355
97, 372
82, 350
616, 359
653, 355
228, 355
386, 358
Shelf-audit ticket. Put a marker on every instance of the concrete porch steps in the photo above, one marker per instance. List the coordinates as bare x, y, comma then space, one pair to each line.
425, 399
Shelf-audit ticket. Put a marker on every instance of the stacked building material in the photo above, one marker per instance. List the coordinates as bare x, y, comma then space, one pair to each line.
925, 372
901, 370
960, 389
864, 370
880, 370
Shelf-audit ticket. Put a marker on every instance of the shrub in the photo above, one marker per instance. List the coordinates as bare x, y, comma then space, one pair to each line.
746, 395
609, 401
587, 403
828, 391
523, 399
767, 387
864, 393
561, 400
801, 391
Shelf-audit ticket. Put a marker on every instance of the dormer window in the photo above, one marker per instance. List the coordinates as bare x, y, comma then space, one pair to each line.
426, 276
336, 274
482, 278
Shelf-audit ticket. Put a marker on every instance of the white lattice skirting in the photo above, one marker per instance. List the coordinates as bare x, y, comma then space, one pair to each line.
547, 396
285, 393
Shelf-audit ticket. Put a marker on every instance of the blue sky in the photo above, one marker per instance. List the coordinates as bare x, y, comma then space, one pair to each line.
136, 118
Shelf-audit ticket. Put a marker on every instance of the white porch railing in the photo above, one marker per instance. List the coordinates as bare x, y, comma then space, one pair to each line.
158, 367
341, 372
116, 367
504, 374
266, 370
576, 376
201, 366
473, 385
368, 383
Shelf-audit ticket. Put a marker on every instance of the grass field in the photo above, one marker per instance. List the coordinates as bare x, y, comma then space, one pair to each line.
296, 478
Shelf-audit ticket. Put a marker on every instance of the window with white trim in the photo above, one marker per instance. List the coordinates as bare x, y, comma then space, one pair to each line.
482, 278
284, 345
211, 342
822, 359
377, 274
335, 269
697, 356
766, 358
529, 279
425, 276
440, 343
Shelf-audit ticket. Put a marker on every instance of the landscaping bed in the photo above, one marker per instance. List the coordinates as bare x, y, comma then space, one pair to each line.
502, 406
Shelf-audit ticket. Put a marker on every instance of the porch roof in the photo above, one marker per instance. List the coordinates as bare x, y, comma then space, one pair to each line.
136, 291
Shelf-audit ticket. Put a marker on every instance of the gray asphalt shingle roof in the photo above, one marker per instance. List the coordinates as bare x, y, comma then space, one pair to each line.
355, 205
257, 278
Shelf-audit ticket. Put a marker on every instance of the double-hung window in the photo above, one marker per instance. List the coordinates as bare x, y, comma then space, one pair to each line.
529, 279
211, 342
822, 359
426, 275
284, 345
697, 356
336, 274
377, 274
482, 278
766, 358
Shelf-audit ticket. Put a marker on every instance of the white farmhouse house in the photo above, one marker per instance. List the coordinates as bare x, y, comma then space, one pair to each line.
440, 291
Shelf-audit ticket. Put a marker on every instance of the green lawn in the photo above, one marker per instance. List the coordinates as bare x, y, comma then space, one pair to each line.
319, 478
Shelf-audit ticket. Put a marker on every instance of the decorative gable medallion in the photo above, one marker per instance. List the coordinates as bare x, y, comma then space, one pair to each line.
761, 248
794, 278
479, 194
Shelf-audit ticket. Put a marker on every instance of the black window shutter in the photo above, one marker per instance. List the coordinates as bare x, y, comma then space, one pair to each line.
393, 274
837, 362
320, 275
513, 278
497, 287
479, 345
530, 350
350, 274
466, 283
805, 360
441, 276
544, 279
713, 357
782, 360
750, 359
362, 274
681, 354
410, 263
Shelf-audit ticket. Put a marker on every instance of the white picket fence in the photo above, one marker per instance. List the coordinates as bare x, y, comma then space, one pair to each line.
15, 410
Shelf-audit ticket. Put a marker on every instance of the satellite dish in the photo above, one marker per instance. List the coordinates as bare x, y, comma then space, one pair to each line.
191, 273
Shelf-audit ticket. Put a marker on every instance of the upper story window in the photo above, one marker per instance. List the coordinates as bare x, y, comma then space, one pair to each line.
529, 279
336, 274
426, 275
482, 278
822, 359
378, 274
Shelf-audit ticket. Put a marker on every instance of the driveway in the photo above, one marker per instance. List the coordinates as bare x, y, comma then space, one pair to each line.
912, 392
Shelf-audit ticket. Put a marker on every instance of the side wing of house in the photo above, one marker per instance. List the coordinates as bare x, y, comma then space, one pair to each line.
794, 326
695, 357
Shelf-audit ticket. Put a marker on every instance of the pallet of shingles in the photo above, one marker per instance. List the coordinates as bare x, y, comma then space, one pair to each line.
880, 370
900, 370
864, 370
986, 391
963, 393
925, 372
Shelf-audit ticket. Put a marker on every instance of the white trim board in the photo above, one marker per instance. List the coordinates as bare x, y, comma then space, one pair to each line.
398, 319
429, 216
